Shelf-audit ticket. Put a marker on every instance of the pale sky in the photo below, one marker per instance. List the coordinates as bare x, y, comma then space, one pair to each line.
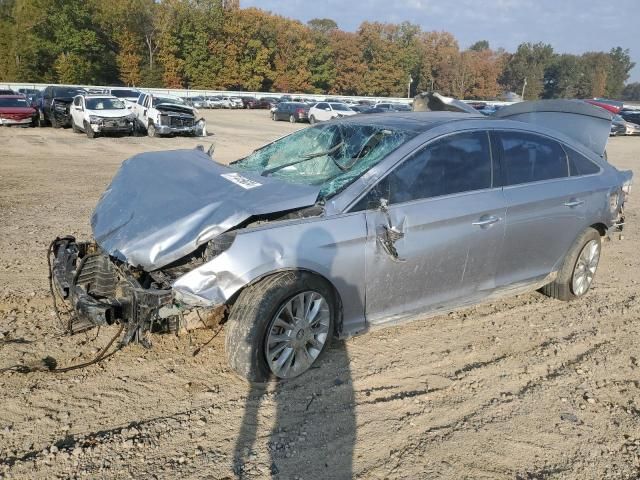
570, 26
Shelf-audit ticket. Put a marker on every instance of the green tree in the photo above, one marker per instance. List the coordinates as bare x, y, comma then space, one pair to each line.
619, 68
479, 46
322, 25
528, 63
631, 92
563, 77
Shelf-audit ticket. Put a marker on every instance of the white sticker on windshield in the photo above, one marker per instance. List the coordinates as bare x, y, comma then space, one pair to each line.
238, 179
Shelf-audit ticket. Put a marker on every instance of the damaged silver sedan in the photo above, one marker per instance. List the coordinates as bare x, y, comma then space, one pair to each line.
345, 226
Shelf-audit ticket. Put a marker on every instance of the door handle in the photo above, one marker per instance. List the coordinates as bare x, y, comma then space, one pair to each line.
485, 221
574, 203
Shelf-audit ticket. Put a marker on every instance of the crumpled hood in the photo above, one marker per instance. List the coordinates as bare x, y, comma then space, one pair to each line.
161, 206
172, 107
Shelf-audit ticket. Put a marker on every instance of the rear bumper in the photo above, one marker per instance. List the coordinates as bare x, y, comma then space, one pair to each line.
100, 292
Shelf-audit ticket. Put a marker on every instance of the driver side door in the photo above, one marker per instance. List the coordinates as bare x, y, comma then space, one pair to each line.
77, 112
435, 243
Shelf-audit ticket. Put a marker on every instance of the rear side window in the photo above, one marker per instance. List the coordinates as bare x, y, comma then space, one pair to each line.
455, 164
531, 158
579, 164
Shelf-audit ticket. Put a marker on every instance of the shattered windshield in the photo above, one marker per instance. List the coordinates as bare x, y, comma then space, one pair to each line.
329, 155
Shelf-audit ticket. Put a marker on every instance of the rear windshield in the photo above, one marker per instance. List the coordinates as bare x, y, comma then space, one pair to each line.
14, 102
104, 104
329, 155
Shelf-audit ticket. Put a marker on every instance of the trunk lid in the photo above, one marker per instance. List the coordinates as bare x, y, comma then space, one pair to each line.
582, 122
161, 206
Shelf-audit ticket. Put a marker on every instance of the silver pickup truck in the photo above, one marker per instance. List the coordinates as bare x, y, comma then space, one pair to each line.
167, 115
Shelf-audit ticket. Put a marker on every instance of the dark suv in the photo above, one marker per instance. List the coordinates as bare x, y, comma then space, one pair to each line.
54, 108
292, 111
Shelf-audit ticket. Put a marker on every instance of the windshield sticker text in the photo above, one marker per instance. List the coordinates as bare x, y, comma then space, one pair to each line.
238, 179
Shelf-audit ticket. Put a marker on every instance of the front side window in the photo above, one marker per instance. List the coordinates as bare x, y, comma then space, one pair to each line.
454, 164
531, 158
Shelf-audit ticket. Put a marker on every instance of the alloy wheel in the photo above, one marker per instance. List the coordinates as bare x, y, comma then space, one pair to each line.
585, 268
297, 334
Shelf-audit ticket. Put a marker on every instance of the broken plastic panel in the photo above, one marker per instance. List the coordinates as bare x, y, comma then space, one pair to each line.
329, 156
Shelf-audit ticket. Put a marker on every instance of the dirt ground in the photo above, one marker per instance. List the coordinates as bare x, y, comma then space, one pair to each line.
528, 388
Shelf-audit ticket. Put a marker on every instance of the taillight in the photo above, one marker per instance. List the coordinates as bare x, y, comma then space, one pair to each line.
300, 111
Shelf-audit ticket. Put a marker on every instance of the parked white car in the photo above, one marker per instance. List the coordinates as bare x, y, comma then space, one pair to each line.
236, 102
98, 114
167, 115
323, 111
214, 102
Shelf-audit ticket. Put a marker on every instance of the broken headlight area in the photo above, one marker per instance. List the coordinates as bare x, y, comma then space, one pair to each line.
103, 291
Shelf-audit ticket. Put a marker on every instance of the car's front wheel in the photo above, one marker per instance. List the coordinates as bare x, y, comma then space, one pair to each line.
279, 326
151, 130
579, 268
312, 119
88, 130
273, 117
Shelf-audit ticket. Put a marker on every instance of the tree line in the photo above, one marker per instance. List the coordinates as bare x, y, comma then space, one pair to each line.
212, 44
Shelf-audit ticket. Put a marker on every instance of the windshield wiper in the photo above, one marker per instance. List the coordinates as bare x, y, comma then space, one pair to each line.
305, 158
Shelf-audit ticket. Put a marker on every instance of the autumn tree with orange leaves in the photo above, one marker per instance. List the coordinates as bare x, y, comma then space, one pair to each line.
213, 44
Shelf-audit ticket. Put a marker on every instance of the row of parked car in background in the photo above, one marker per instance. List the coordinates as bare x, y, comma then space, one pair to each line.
97, 112
129, 111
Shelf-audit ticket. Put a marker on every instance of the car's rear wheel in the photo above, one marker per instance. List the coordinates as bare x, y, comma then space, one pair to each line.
579, 268
292, 119
312, 119
273, 117
279, 326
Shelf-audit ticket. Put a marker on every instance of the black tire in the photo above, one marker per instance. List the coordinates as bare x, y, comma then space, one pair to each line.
151, 130
312, 120
54, 123
562, 287
273, 117
292, 119
253, 313
87, 129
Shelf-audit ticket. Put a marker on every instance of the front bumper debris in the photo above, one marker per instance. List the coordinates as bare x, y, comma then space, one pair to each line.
101, 292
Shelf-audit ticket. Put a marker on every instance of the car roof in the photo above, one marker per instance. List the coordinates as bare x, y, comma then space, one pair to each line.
412, 121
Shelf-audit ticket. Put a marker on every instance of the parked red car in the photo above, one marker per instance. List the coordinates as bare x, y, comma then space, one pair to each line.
16, 110
607, 105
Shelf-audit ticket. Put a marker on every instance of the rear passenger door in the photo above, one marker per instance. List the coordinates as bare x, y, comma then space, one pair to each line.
545, 207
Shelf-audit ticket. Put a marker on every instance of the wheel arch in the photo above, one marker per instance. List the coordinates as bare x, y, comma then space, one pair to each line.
338, 298
601, 228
